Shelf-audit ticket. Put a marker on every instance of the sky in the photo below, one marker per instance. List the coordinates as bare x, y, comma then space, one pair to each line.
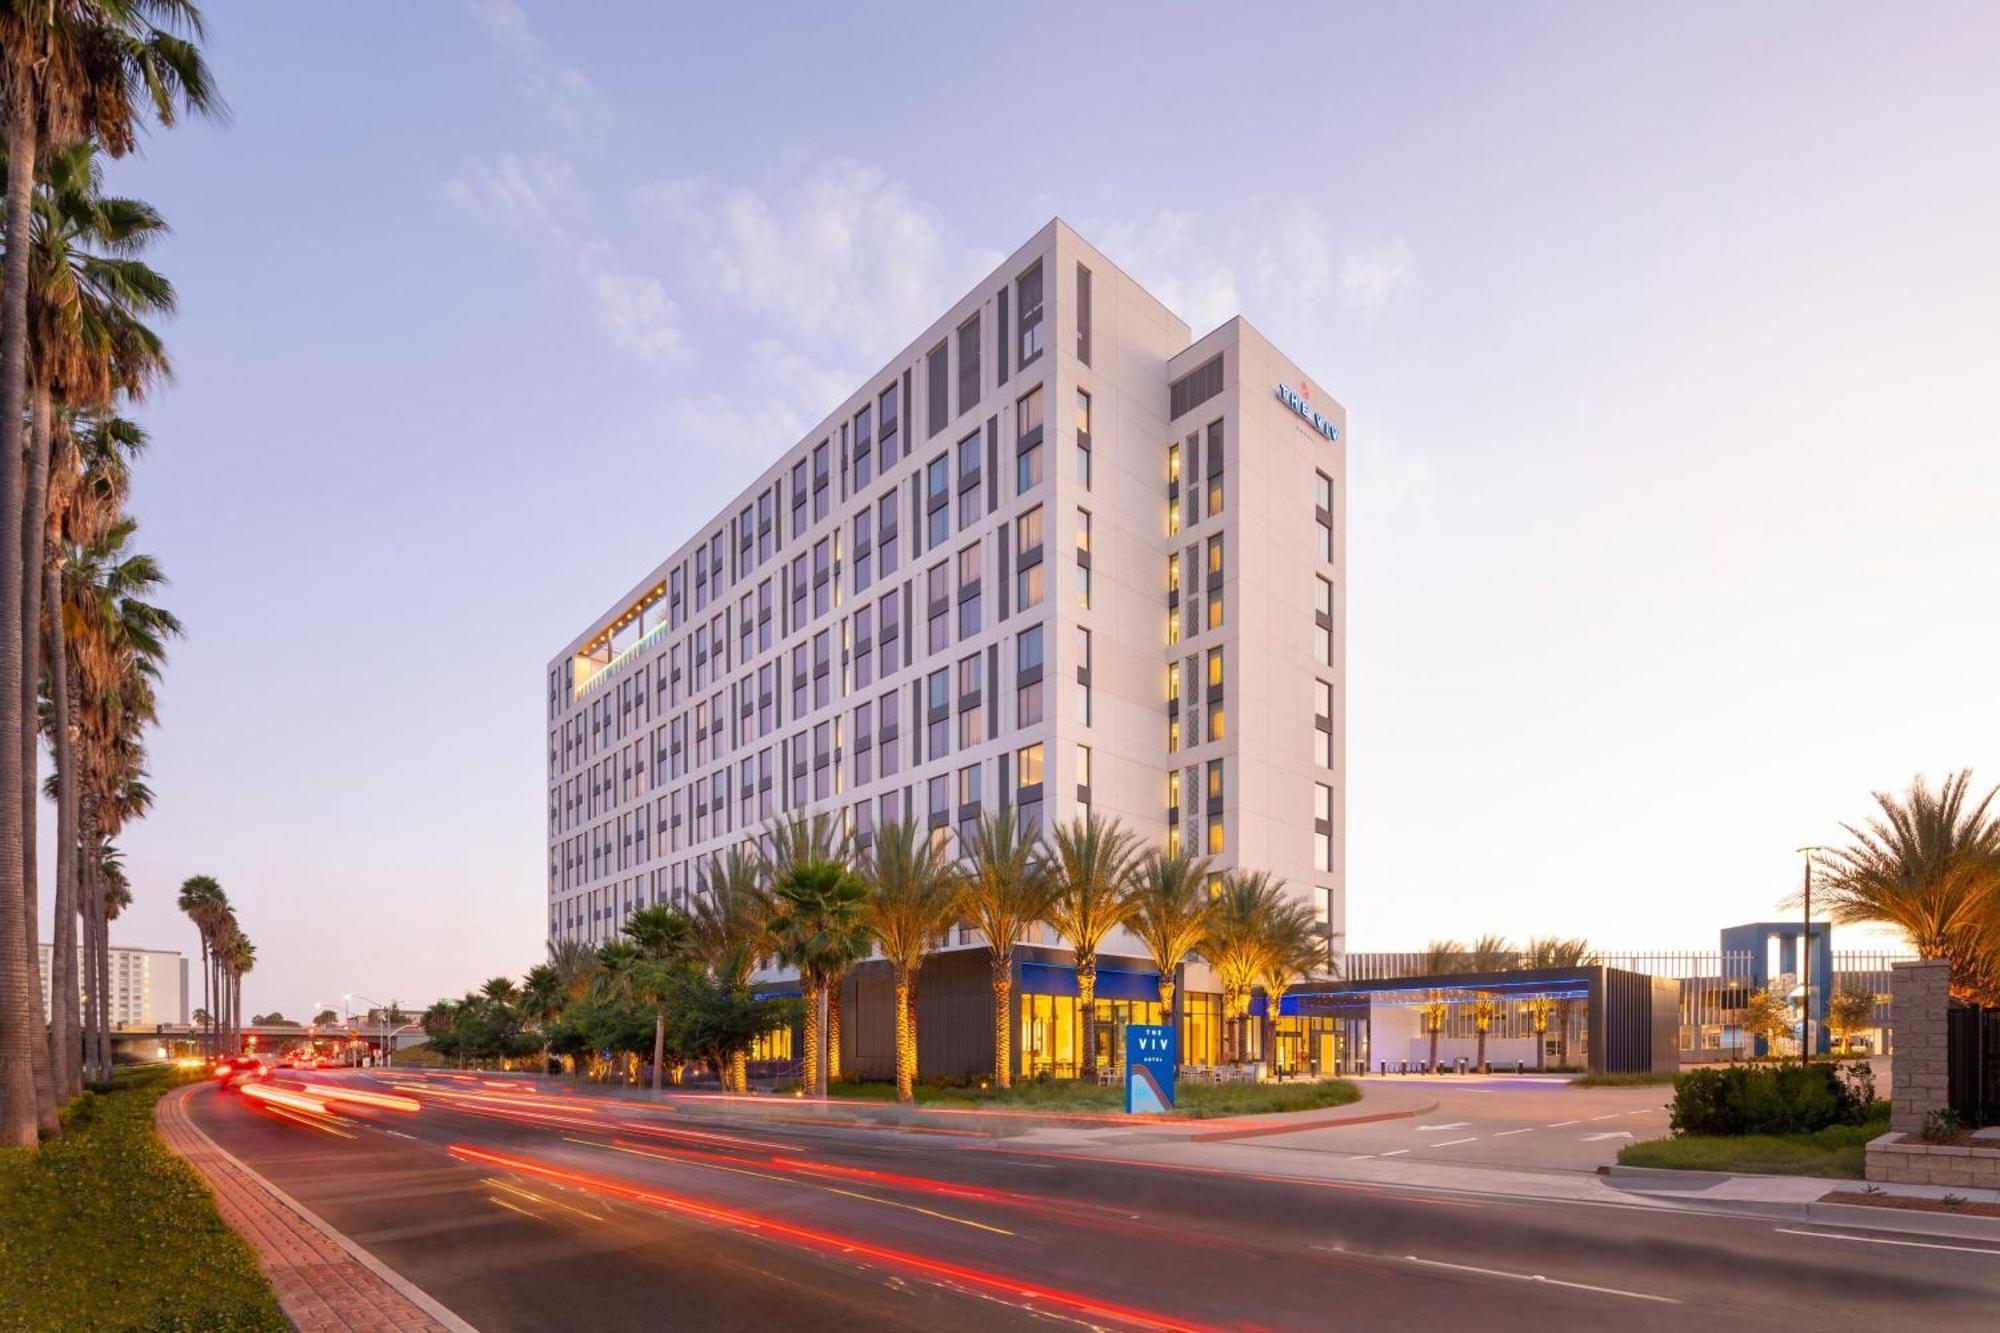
1669, 338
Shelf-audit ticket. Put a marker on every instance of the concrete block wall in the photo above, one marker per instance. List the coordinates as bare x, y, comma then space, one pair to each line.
1920, 998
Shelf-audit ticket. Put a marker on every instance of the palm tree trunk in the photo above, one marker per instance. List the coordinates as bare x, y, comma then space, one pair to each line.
1003, 1027
1482, 1050
64, 1017
739, 1070
1086, 999
1436, 1029
660, 1048
1541, 1049
906, 1042
811, 1068
20, 1023
832, 1029
34, 522
1228, 1024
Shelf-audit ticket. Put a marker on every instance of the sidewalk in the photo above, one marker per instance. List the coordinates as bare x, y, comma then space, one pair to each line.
325, 1282
1803, 1197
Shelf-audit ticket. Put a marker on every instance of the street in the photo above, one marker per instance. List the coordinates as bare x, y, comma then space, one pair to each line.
520, 1209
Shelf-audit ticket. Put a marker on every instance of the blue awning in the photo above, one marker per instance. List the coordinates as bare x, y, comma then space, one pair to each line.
1112, 983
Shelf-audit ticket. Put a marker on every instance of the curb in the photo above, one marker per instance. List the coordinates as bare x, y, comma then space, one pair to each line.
1334, 1122
1671, 1186
174, 1106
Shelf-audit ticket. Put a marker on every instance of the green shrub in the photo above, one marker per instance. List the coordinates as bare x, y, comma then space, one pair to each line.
1770, 1100
1940, 1126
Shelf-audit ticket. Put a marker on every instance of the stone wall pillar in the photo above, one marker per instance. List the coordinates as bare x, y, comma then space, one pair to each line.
1919, 998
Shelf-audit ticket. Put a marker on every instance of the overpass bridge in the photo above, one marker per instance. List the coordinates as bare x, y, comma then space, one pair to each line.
354, 1042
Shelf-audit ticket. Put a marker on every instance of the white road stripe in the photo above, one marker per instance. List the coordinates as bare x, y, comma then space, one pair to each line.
1884, 1240
1456, 1124
1448, 1142
1398, 1152
1560, 1123
1613, 1116
1538, 1277
1505, 1132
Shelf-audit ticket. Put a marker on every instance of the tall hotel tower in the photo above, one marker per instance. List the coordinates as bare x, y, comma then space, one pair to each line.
1057, 555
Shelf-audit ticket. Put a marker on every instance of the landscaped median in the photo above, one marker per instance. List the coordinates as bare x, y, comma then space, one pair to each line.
1192, 1101
105, 1227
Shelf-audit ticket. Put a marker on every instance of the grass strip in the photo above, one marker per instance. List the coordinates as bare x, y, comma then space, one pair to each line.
1194, 1101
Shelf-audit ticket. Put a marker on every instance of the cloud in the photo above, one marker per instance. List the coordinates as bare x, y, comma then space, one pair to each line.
1168, 256
1372, 277
843, 256
562, 93
538, 195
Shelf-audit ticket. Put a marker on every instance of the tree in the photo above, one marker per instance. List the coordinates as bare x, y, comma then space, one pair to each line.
325, 1017
1540, 1007
913, 899
1441, 958
1850, 1011
202, 900
717, 1020
1491, 953
795, 839
1092, 859
1551, 951
1768, 1015
1927, 863
543, 1000
731, 933
1007, 890
1170, 913
821, 929
664, 938
1293, 948
1238, 933
75, 69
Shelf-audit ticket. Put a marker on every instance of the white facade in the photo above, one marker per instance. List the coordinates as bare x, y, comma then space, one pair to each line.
149, 987
957, 593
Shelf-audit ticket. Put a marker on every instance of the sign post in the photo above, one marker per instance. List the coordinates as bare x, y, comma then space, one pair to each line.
1150, 1060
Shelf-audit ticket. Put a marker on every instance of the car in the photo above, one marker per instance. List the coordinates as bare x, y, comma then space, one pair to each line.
236, 1070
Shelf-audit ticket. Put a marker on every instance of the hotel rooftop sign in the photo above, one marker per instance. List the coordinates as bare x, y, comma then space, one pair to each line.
1297, 402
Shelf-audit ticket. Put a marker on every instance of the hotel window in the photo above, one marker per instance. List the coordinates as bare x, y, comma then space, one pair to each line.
937, 387
1214, 467
1083, 676
886, 740
864, 549
886, 413
1028, 649
822, 478
1028, 710
971, 701
968, 364
864, 648
1174, 573
1323, 514
1083, 559
1215, 834
1028, 441
885, 532
798, 593
1215, 673
1213, 796
1217, 722
1083, 439
1323, 724
1173, 681
969, 511
1173, 489
1028, 300
937, 593
1028, 764
764, 616
1214, 581
1083, 314
939, 800
1173, 735
937, 501
799, 498
1322, 826
1083, 767
1196, 387
968, 592
864, 743
765, 532
937, 714
1323, 622
864, 457
822, 668
822, 576
889, 613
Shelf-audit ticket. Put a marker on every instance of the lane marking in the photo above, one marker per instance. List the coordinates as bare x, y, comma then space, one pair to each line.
1538, 1277
1560, 1123
1449, 1142
1650, 1110
1884, 1240
1505, 1132
1397, 1153
1456, 1124
1612, 1134
1613, 1116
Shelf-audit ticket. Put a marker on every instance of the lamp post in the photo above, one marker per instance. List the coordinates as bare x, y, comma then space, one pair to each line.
1806, 1033
381, 1019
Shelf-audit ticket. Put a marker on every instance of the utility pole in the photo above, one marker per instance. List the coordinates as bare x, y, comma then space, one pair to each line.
1806, 1032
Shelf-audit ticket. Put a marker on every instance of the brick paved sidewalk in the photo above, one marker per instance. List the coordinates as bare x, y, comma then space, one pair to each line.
325, 1283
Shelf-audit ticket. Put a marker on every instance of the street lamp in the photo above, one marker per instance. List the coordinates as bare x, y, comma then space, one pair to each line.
1805, 964
382, 1020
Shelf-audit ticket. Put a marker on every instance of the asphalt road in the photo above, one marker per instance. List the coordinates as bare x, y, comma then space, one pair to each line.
531, 1211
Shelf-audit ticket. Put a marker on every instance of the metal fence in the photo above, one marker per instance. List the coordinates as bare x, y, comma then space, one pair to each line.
1972, 1053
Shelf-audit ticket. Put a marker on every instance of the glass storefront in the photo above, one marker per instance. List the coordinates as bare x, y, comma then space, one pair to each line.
1051, 1036
1052, 1032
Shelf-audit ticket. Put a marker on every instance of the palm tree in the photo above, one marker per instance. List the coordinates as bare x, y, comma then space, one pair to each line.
1551, 951
1441, 958
1170, 914
1489, 953
663, 938
1091, 860
1929, 864
543, 1001
242, 958
75, 69
576, 965
1238, 930
913, 899
821, 929
201, 898
793, 839
732, 935
1007, 890
1293, 948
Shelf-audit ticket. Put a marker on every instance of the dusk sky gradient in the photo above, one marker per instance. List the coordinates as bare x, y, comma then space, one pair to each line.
1670, 344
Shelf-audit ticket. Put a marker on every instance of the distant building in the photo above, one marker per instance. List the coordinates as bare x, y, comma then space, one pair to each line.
148, 986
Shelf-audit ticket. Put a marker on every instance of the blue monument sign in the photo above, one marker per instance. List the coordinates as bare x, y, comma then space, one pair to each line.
1150, 1059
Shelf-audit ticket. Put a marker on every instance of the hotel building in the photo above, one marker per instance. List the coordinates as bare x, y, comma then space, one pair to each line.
149, 987
1058, 555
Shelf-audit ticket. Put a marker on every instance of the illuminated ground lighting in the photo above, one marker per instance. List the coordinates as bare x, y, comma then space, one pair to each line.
1109, 1117
835, 1244
273, 1095
355, 1096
